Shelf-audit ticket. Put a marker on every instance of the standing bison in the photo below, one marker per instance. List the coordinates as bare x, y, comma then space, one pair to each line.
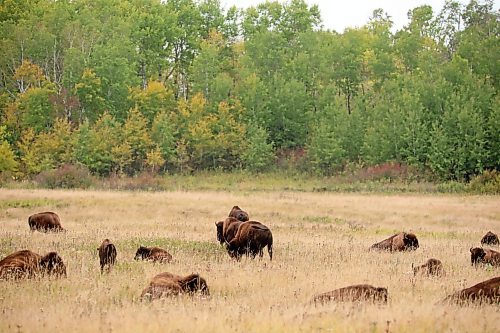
355, 293
432, 267
490, 239
481, 256
46, 221
168, 284
107, 255
28, 264
154, 254
238, 214
399, 242
250, 239
484, 292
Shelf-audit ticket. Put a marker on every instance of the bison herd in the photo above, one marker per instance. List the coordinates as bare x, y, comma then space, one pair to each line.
242, 236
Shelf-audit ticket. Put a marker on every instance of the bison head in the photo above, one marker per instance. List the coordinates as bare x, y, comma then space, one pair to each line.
410, 241
194, 283
476, 255
381, 295
219, 225
53, 264
142, 252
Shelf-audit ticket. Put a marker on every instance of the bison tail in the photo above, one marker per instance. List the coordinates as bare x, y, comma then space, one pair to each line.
270, 248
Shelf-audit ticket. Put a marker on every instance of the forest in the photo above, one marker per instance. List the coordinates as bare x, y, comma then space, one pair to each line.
122, 87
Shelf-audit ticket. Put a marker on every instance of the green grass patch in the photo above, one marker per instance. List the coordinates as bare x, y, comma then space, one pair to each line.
31, 203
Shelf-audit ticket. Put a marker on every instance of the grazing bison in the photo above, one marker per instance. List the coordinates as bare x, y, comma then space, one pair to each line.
46, 221
168, 284
481, 256
356, 293
251, 239
154, 254
432, 267
484, 292
238, 214
490, 239
28, 264
107, 255
399, 242
226, 230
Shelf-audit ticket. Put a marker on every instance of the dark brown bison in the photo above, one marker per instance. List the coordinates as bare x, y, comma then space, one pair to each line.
226, 230
432, 267
399, 242
107, 255
168, 284
356, 293
481, 256
154, 254
250, 239
46, 221
238, 214
490, 239
28, 264
484, 292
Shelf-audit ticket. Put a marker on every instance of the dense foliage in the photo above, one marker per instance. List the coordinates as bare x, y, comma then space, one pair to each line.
124, 86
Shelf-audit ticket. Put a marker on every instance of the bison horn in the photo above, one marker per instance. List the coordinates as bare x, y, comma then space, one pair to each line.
470, 249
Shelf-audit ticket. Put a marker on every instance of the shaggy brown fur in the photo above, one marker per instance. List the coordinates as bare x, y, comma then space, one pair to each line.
490, 239
484, 292
399, 242
107, 255
238, 214
356, 293
154, 254
168, 284
251, 239
432, 267
481, 256
232, 226
44, 222
28, 264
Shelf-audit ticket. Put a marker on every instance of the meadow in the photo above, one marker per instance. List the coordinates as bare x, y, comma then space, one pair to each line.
320, 244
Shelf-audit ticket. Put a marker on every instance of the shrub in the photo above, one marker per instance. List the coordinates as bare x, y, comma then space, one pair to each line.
67, 176
486, 183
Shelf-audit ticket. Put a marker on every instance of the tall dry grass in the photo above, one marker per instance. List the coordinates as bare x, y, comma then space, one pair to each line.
320, 243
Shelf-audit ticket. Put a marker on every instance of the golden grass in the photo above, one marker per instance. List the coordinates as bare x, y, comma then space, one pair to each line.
320, 244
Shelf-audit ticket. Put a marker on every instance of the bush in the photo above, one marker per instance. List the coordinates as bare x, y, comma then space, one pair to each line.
67, 176
486, 183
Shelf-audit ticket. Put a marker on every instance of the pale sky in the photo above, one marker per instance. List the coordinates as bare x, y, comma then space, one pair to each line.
339, 14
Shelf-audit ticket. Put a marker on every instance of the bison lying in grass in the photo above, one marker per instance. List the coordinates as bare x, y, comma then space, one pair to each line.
107, 255
28, 264
250, 239
154, 254
432, 267
399, 242
355, 293
484, 292
44, 222
481, 256
168, 284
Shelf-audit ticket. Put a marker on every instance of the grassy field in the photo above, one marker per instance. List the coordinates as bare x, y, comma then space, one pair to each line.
320, 244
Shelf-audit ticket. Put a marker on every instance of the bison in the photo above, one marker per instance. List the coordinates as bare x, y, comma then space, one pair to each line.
226, 230
107, 255
399, 242
250, 239
154, 254
490, 239
355, 293
28, 264
168, 284
44, 222
480, 256
238, 214
484, 292
432, 267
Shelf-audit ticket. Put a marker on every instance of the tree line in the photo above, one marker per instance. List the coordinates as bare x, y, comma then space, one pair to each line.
124, 86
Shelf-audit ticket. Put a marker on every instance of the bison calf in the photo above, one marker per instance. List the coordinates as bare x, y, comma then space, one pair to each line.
238, 214
481, 256
399, 242
250, 239
355, 293
484, 292
28, 264
432, 267
154, 254
107, 255
490, 239
44, 222
168, 284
